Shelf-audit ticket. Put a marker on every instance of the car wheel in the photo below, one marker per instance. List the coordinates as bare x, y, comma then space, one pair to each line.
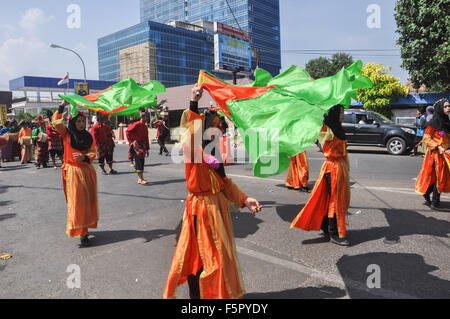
396, 146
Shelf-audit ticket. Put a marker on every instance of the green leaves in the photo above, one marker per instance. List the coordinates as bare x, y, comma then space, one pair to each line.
424, 28
386, 88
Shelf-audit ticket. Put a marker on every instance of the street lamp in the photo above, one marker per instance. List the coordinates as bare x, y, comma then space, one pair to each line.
54, 46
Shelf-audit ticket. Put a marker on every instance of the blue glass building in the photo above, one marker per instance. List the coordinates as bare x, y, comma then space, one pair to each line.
178, 56
261, 18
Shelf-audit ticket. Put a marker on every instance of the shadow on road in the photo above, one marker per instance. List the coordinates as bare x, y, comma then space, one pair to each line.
322, 292
7, 216
115, 236
401, 223
6, 203
288, 212
407, 274
245, 224
12, 168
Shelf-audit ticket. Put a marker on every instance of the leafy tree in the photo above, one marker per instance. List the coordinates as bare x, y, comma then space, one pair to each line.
424, 28
323, 67
318, 68
25, 116
386, 88
340, 60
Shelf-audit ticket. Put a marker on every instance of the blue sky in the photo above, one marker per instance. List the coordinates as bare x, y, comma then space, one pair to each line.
27, 28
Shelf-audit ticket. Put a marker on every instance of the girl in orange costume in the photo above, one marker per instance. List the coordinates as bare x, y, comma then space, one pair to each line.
298, 173
206, 254
434, 177
327, 206
25, 131
79, 177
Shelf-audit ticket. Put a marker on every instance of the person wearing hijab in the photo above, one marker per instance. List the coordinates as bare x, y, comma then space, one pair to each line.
42, 146
79, 176
328, 203
205, 255
298, 173
434, 177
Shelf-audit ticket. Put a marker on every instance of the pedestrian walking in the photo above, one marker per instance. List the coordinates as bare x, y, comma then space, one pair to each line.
421, 123
137, 135
328, 203
103, 138
162, 134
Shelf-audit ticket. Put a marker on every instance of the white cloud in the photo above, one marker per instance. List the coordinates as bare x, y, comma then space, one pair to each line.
22, 45
33, 18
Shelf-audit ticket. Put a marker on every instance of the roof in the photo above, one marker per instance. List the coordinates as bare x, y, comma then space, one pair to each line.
413, 100
33, 83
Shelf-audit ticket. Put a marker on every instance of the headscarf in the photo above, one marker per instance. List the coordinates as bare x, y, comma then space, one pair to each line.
430, 112
79, 140
440, 120
332, 121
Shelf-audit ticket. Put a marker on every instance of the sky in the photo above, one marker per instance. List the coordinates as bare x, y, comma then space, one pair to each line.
27, 28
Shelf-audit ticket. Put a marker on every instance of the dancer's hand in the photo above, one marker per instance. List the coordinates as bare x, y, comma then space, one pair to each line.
253, 205
197, 93
441, 150
78, 157
447, 152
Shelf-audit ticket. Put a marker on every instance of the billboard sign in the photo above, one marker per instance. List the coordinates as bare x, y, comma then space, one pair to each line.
4, 113
232, 54
231, 31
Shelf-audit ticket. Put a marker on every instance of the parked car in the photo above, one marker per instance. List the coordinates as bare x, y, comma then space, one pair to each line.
378, 130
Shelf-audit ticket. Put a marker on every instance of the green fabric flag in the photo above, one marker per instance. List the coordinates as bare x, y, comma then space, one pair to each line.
122, 99
286, 119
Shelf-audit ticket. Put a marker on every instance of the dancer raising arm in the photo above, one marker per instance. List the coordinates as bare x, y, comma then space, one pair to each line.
205, 255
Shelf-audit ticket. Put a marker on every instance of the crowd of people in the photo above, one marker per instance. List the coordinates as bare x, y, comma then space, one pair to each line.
205, 256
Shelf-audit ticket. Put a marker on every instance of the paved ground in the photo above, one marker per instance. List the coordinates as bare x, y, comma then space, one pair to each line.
388, 226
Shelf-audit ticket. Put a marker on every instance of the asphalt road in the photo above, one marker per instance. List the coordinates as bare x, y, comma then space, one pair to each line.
392, 234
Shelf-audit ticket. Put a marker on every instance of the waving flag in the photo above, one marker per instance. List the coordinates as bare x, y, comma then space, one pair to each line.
122, 99
64, 80
282, 116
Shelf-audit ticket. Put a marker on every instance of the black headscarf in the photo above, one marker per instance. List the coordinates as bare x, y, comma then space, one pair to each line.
440, 121
332, 121
79, 140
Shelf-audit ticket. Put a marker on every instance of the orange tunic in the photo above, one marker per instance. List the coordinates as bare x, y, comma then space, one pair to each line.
26, 150
80, 185
298, 173
213, 246
440, 172
320, 202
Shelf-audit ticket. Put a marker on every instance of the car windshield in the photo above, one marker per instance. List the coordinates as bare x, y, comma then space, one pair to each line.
383, 118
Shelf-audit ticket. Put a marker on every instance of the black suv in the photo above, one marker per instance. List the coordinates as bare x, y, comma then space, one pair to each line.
367, 128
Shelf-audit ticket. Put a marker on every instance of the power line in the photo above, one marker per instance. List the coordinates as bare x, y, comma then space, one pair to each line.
232, 12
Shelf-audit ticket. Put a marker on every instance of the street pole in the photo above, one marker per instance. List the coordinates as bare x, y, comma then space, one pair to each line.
54, 46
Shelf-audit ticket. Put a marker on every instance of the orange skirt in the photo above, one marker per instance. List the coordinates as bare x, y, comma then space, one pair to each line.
429, 175
320, 202
298, 173
80, 188
213, 248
